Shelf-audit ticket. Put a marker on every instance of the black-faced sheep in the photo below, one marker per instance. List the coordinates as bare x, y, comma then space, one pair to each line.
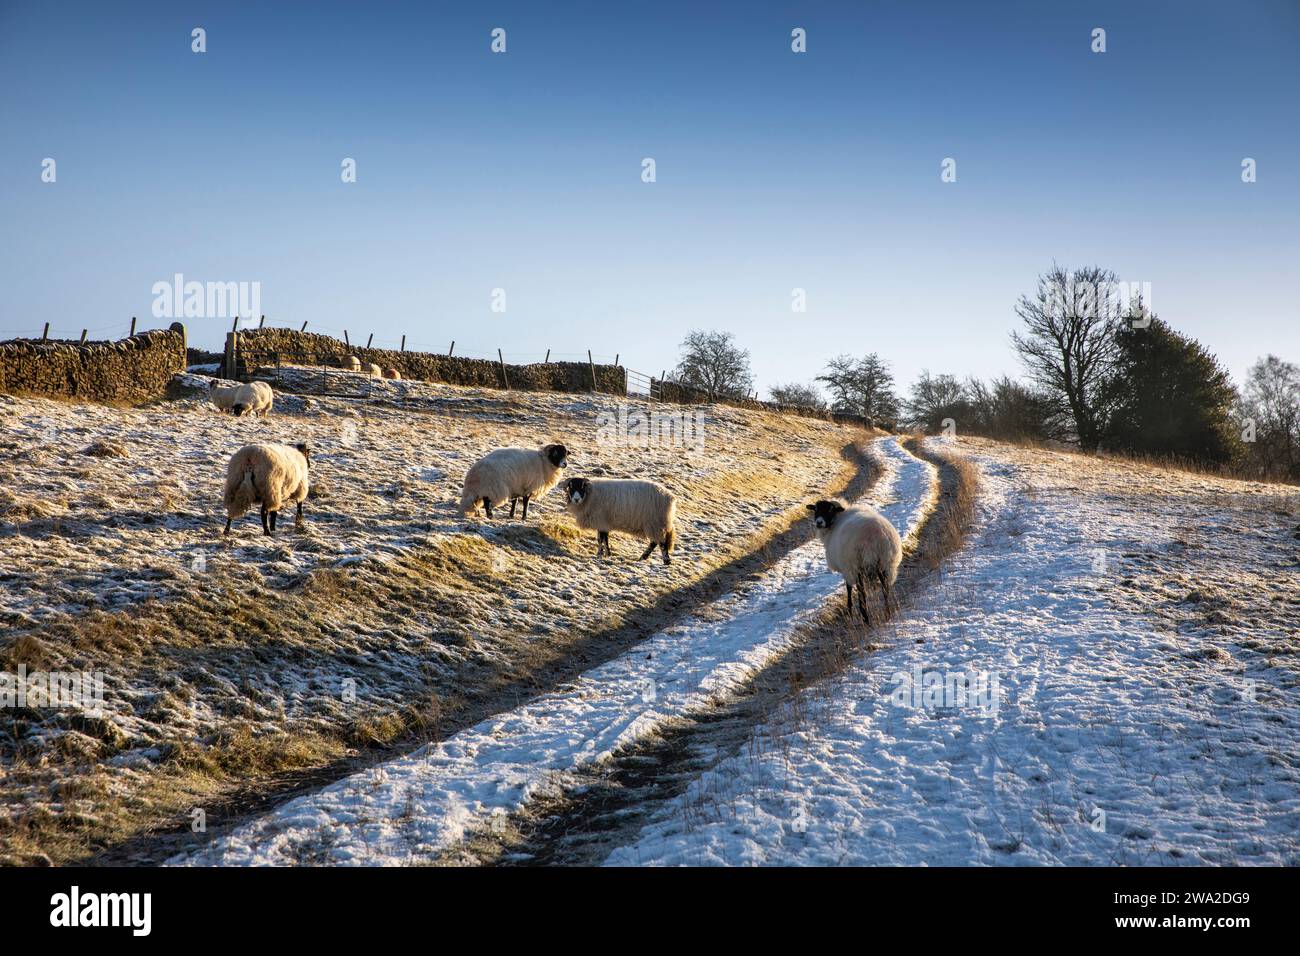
270, 475
509, 474
641, 508
861, 545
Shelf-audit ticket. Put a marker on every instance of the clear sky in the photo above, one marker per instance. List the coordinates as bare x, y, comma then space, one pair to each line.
775, 171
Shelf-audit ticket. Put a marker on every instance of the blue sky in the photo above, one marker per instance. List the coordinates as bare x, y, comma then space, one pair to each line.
775, 171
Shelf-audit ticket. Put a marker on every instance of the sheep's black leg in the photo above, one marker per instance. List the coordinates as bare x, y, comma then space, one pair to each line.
862, 598
884, 588
663, 546
298, 520
526, 497
512, 506
274, 515
265, 529
649, 551
227, 531
602, 543
848, 599
487, 506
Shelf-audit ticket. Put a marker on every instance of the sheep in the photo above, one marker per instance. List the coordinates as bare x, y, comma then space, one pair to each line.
393, 373
372, 370
255, 398
352, 363
861, 545
269, 475
511, 474
642, 508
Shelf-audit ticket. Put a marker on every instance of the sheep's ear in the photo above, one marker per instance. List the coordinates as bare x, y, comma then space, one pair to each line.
811, 507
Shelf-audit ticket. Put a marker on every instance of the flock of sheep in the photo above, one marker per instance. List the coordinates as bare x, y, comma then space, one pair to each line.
861, 545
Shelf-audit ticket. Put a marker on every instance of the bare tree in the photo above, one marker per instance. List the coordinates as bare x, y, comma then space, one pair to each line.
1008, 410
1270, 401
862, 387
798, 396
934, 398
1068, 345
713, 363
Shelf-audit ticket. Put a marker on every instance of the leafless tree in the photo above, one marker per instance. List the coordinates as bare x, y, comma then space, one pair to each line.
798, 396
1270, 401
863, 387
713, 363
1068, 346
934, 398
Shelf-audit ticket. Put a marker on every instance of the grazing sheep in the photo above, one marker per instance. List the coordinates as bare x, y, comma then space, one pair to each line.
861, 545
393, 373
372, 370
509, 474
255, 398
270, 475
353, 363
642, 508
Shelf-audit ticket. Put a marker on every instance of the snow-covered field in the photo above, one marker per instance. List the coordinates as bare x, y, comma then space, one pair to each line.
1107, 672
1137, 634
412, 808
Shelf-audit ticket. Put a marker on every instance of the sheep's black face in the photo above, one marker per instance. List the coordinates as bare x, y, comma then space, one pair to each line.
236, 410
576, 490
305, 452
824, 513
557, 455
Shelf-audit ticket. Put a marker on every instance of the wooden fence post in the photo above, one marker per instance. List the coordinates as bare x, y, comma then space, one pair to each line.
304, 327
83, 336
403, 343
592, 365
548, 358
452, 349
45, 336
504, 377
132, 332
261, 322
235, 325
616, 358
369, 340
345, 339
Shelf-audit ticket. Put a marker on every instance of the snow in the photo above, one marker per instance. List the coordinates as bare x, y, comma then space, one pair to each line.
415, 806
1126, 731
